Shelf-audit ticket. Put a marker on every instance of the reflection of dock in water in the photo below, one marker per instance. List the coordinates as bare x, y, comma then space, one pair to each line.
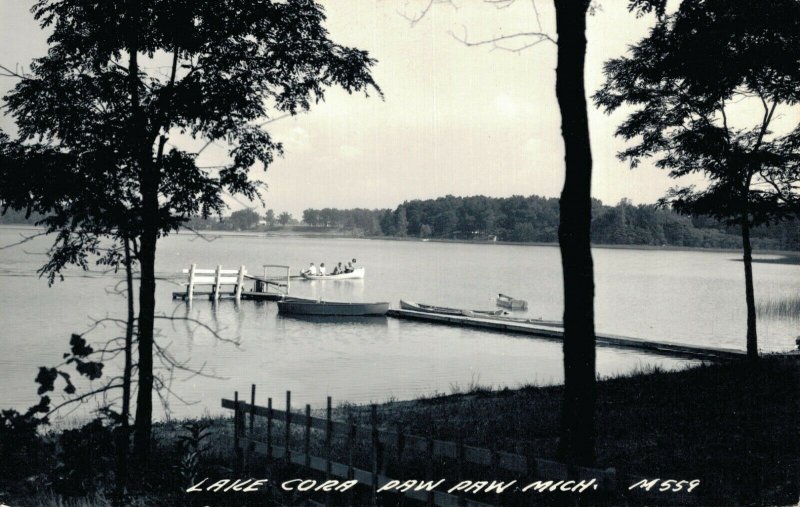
552, 333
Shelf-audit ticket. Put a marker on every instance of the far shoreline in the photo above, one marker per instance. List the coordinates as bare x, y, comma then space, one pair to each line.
791, 256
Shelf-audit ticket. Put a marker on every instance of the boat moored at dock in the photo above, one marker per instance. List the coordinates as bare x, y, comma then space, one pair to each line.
419, 307
496, 315
297, 306
511, 303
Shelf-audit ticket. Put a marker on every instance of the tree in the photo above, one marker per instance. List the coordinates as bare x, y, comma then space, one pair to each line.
576, 444
227, 61
244, 219
574, 236
400, 222
270, 217
284, 218
687, 113
311, 216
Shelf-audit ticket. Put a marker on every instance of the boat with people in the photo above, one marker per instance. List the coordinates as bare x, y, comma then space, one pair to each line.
298, 306
511, 303
342, 271
356, 274
498, 315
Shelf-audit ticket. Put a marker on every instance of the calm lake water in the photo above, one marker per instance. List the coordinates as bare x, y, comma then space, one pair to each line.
685, 297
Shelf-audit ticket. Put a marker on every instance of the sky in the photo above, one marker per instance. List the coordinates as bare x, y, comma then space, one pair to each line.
454, 119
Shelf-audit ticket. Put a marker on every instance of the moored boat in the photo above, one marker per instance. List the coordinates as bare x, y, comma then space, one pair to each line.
419, 307
511, 303
356, 274
499, 315
296, 306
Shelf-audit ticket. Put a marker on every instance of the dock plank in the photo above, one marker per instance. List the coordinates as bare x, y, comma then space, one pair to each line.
662, 348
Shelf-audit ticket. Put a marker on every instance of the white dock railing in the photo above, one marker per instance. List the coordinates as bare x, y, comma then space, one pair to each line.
216, 279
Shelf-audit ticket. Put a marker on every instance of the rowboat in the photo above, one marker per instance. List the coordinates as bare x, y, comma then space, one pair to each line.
511, 303
356, 274
497, 315
294, 306
419, 307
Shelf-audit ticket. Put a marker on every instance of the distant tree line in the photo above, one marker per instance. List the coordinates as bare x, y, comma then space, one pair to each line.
365, 221
535, 219
516, 219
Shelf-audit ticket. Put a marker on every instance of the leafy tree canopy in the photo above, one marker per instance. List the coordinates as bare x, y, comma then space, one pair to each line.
685, 78
208, 70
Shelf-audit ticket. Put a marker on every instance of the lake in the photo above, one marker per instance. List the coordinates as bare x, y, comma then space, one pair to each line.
677, 296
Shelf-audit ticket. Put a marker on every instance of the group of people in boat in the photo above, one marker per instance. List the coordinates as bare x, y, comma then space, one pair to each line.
339, 269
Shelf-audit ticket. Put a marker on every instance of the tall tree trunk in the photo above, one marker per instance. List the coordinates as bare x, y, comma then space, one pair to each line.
576, 445
142, 150
752, 336
128, 367
147, 304
123, 434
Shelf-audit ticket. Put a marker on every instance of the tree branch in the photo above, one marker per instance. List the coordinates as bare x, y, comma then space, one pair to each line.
540, 37
416, 19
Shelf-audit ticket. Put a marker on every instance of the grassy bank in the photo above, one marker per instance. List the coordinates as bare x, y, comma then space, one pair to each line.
732, 426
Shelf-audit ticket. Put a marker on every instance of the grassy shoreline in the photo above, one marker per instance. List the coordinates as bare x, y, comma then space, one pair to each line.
733, 426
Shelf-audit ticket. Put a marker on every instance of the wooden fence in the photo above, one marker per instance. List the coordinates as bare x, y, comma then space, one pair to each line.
244, 443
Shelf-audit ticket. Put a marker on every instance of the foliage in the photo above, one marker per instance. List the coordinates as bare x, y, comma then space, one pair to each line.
535, 219
365, 220
85, 459
244, 219
191, 447
686, 113
284, 218
686, 100
97, 122
19, 435
269, 217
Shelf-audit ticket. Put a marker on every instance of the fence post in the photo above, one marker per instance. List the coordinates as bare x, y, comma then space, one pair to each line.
429, 467
190, 286
328, 438
375, 452
307, 441
351, 437
251, 445
493, 465
460, 463
287, 426
217, 281
401, 446
236, 415
269, 430
239, 282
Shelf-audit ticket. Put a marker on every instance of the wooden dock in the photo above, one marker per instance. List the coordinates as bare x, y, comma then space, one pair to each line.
248, 295
552, 333
266, 288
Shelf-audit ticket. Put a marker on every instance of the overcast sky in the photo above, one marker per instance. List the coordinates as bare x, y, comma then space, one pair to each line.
455, 120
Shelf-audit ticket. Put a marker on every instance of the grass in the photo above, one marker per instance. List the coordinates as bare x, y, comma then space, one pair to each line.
784, 308
733, 426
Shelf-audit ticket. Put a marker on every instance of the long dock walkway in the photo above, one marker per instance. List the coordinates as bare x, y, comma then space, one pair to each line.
554, 333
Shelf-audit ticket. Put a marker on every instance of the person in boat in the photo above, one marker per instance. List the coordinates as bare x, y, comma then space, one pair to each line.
311, 270
322, 269
339, 269
348, 268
